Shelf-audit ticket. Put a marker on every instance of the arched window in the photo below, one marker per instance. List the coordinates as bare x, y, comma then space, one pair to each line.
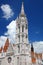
19, 37
22, 28
26, 26
19, 27
18, 49
22, 38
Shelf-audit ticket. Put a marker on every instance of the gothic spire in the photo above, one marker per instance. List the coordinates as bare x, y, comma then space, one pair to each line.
32, 49
22, 9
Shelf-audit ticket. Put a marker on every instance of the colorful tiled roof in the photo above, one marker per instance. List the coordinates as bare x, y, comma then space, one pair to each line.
6, 45
1, 49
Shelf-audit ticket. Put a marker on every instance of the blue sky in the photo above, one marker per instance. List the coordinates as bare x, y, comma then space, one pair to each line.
34, 13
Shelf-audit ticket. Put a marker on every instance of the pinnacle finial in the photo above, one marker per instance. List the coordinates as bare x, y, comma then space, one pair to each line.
22, 8
32, 49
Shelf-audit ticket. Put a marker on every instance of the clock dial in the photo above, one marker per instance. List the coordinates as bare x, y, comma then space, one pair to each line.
9, 59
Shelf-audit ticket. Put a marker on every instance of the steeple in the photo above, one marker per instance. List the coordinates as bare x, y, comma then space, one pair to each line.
22, 9
22, 27
32, 49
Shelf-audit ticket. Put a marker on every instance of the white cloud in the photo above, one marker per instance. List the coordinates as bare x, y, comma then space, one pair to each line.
11, 31
2, 40
7, 11
38, 46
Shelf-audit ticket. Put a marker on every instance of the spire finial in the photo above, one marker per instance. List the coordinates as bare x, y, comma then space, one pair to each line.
32, 49
22, 8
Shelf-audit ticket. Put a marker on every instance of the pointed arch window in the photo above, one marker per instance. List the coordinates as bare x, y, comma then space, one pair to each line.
19, 37
18, 49
22, 28
19, 27
26, 26
22, 38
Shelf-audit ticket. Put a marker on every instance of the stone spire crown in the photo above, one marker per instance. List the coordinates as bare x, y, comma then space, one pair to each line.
22, 9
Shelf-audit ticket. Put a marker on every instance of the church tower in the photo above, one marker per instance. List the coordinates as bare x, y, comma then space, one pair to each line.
22, 49
22, 27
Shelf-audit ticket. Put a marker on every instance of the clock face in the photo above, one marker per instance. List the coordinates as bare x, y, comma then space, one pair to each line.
9, 59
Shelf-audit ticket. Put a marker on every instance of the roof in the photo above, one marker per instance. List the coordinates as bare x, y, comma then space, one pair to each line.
1, 49
6, 45
4, 49
35, 56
